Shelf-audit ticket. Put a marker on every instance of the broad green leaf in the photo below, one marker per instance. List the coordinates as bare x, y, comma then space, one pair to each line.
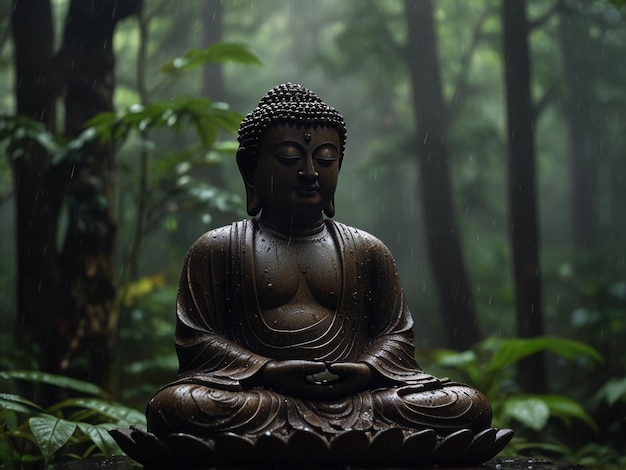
226, 146
205, 131
7, 455
533, 412
512, 350
455, 359
213, 157
102, 119
565, 408
613, 391
56, 380
542, 446
99, 435
47, 141
120, 414
216, 54
51, 433
22, 132
10, 402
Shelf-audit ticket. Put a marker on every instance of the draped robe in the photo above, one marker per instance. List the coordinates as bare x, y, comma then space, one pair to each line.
223, 342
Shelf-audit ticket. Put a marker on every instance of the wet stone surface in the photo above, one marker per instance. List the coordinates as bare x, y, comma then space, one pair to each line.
124, 463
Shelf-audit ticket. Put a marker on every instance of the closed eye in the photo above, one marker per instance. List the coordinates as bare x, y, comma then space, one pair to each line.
325, 161
326, 154
287, 159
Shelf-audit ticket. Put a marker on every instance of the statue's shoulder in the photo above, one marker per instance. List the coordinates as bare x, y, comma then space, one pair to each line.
358, 237
219, 239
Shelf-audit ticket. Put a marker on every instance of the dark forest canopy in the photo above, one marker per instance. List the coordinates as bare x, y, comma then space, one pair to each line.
161, 189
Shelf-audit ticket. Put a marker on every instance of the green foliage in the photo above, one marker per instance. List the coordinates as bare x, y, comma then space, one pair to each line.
172, 184
216, 54
22, 133
613, 392
74, 428
50, 379
205, 117
510, 351
489, 368
148, 321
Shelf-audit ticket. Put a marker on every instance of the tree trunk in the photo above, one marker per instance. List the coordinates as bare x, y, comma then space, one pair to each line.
87, 255
444, 247
581, 131
65, 298
39, 294
522, 198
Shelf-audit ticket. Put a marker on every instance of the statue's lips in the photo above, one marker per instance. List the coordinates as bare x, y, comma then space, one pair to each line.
307, 191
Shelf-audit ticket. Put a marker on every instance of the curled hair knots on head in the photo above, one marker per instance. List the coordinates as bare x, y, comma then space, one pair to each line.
292, 104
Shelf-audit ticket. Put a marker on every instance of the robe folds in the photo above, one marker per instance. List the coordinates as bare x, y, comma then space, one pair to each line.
223, 342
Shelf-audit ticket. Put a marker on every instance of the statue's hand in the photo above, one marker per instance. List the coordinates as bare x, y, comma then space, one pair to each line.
291, 376
311, 379
354, 377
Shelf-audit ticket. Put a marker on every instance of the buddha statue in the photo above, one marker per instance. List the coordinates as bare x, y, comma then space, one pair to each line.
290, 323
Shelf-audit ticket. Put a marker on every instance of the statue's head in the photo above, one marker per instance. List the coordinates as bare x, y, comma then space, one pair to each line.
291, 124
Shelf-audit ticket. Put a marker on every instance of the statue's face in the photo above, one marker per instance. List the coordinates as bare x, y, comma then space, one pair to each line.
296, 171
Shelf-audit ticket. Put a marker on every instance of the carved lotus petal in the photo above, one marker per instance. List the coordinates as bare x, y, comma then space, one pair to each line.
151, 445
451, 448
194, 448
419, 446
503, 437
310, 446
272, 448
386, 446
238, 447
123, 437
350, 447
480, 446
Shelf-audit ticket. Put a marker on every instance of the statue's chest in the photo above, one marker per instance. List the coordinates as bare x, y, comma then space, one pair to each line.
301, 273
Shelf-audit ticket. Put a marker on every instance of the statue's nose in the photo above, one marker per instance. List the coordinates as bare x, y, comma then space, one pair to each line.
308, 173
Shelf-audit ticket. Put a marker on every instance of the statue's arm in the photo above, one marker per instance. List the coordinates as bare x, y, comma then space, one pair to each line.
390, 350
202, 342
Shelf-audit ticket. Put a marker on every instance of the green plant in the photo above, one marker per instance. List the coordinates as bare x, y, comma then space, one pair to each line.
74, 428
489, 368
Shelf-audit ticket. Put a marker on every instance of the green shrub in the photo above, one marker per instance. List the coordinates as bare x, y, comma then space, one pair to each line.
490, 369
75, 428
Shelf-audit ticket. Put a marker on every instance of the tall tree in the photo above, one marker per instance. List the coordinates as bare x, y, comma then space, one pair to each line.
444, 247
522, 188
577, 51
65, 280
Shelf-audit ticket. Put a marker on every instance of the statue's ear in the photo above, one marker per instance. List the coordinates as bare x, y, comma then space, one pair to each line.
329, 210
247, 164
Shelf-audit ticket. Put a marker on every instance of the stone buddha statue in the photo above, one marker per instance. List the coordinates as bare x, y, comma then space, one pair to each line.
292, 324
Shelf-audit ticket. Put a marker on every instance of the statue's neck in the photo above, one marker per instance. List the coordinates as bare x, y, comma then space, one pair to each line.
292, 227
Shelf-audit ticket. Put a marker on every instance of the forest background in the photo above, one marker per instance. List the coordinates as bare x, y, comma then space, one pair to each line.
409, 98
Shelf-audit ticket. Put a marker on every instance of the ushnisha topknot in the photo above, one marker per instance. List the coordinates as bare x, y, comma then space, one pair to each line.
288, 103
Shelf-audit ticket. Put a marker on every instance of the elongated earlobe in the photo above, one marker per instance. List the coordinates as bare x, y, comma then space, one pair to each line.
246, 164
253, 203
329, 210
